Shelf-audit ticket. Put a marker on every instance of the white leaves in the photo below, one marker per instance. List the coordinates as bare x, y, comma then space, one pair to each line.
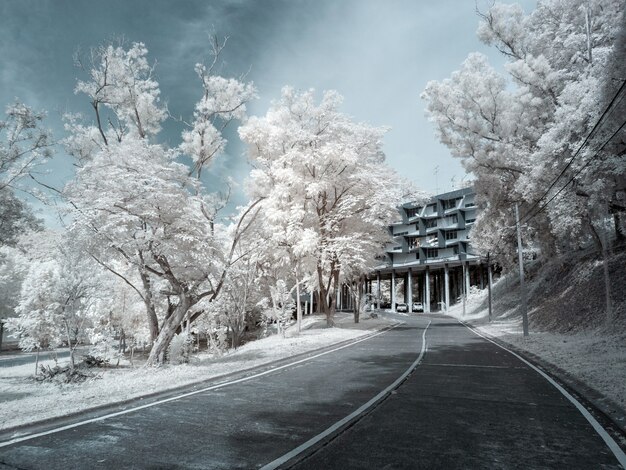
517, 136
319, 175
24, 145
121, 80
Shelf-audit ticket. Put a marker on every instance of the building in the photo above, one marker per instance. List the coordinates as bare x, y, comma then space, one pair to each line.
431, 260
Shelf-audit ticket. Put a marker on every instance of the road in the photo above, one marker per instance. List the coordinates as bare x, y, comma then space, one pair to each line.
10, 359
467, 404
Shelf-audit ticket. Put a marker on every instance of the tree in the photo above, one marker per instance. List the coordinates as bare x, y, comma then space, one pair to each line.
141, 209
518, 133
323, 174
24, 145
57, 297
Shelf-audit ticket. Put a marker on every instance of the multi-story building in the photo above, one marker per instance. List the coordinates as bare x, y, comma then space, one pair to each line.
431, 260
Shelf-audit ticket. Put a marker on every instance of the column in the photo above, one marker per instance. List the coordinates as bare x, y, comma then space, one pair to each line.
467, 278
427, 290
393, 290
378, 289
446, 287
409, 281
338, 303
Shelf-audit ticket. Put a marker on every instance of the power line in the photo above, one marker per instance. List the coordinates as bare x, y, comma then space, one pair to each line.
578, 172
569, 163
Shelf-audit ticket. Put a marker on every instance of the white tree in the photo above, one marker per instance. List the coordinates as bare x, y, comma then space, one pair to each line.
323, 175
518, 133
138, 206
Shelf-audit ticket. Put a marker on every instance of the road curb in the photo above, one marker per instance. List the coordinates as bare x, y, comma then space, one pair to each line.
603, 409
101, 410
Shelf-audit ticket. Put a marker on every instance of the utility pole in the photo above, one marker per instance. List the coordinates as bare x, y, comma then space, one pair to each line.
521, 273
489, 282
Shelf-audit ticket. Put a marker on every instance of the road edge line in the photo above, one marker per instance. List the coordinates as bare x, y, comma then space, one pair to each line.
22, 438
595, 424
342, 423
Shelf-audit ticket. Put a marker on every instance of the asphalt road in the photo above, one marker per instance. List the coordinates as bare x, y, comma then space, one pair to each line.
468, 404
10, 359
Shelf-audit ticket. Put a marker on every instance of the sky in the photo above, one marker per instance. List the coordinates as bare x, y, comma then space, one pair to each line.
378, 54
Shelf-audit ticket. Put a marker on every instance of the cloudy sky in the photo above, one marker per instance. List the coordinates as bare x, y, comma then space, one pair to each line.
378, 54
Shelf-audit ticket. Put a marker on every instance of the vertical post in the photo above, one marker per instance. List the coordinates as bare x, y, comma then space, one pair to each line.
489, 283
393, 290
409, 300
605, 270
378, 290
339, 302
521, 273
446, 287
427, 290
466, 277
464, 287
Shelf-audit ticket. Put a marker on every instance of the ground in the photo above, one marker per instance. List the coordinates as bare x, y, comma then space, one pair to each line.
585, 351
19, 392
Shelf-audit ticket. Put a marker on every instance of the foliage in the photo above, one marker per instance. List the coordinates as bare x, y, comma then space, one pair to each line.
326, 192
518, 132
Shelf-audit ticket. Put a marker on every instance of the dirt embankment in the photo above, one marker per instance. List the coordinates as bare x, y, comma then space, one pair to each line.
567, 294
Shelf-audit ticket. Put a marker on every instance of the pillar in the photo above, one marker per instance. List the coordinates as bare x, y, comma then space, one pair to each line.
467, 277
338, 302
409, 282
427, 290
393, 290
446, 287
378, 289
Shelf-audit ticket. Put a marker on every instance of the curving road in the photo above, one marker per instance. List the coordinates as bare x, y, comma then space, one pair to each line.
467, 404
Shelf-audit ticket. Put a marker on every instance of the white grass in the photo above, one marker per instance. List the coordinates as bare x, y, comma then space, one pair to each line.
22, 400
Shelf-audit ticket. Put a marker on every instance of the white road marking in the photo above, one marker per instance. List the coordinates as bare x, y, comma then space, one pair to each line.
606, 437
27, 437
355, 414
430, 364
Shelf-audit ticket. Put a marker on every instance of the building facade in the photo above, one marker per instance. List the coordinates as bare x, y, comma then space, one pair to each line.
431, 260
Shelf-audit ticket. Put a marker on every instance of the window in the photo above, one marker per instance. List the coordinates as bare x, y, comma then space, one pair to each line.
455, 250
413, 243
470, 204
399, 234
413, 212
453, 219
430, 223
469, 221
451, 235
450, 203
432, 253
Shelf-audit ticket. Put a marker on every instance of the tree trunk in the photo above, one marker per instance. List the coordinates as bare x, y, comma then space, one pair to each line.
620, 237
298, 306
1, 333
168, 330
153, 321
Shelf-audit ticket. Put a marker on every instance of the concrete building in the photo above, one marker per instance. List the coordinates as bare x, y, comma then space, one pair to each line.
431, 260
